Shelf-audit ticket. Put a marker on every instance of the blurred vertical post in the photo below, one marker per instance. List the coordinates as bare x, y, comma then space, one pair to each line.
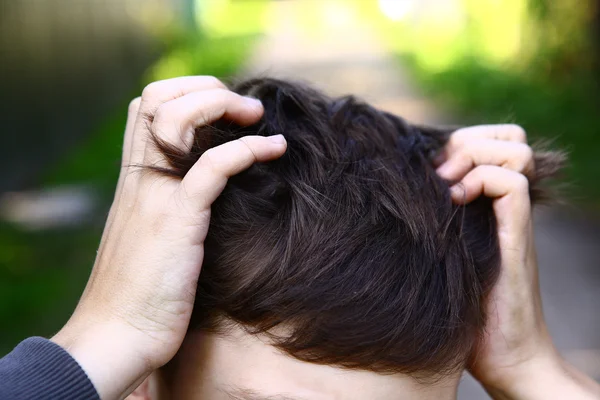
65, 65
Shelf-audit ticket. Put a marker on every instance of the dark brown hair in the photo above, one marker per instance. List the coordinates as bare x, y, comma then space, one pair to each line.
350, 241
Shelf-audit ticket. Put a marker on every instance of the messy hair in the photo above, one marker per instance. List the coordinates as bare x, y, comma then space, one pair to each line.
349, 244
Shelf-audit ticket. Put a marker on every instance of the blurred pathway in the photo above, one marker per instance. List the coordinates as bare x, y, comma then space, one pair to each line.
326, 44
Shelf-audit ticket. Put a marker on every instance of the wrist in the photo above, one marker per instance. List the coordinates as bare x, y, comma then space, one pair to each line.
546, 377
106, 352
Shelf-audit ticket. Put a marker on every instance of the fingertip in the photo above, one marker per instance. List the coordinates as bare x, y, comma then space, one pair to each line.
277, 139
278, 146
458, 194
445, 171
253, 103
251, 112
265, 148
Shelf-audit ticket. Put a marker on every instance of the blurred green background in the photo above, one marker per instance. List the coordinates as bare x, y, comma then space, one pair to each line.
71, 66
533, 62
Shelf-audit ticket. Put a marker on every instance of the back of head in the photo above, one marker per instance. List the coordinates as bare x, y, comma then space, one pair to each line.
347, 250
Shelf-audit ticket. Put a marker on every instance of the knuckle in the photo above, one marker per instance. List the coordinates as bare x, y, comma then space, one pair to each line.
481, 172
455, 140
526, 153
164, 113
466, 150
487, 173
469, 146
134, 105
518, 132
220, 100
522, 158
221, 93
152, 90
159, 117
453, 147
247, 144
521, 183
209, 160
214, 81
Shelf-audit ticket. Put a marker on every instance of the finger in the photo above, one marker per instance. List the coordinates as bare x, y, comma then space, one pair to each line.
505, 132
512, 205
510, 190
208, 177
160, 92
515, 156
491, 181
176, 120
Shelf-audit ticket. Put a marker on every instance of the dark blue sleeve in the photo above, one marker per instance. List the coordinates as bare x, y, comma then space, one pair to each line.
40, 369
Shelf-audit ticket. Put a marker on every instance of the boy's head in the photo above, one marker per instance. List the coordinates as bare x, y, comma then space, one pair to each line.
341, 267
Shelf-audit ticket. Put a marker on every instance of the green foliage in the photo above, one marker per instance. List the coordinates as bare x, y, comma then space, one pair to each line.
41, 277
531, 62
220, 18
565, 113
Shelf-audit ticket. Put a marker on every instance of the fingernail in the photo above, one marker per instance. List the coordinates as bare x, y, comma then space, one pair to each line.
253, 102
277, 139
443, 170
457, 192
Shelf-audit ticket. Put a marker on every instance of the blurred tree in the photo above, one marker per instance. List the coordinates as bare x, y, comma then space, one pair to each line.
564, 37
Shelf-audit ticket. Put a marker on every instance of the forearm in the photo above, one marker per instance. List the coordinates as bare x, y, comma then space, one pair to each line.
547, 381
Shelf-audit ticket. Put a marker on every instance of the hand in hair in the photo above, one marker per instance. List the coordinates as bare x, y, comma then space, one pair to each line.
515, 358
136, 307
